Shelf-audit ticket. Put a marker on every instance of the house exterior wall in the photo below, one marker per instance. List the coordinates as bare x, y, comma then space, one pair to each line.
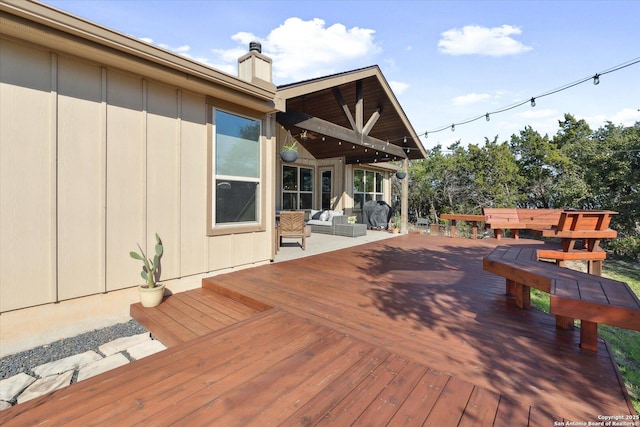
95, 159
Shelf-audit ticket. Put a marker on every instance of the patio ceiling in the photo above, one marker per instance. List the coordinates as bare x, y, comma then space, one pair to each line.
353, 114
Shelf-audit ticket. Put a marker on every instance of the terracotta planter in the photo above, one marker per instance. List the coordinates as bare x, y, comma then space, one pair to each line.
151, 297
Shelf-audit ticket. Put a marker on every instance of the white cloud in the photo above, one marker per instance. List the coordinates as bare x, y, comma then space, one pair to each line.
299, 49
306, 49
537, 113
181, 50
625, 117
398, 87
184, 51
470, 99
477, 40
543, 121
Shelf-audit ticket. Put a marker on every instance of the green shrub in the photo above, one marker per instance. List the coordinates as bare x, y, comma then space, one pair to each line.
626, 247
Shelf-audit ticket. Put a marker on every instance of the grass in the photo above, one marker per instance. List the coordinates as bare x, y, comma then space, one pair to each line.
624, 344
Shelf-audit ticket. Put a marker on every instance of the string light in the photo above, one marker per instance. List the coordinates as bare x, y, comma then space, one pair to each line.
594, 78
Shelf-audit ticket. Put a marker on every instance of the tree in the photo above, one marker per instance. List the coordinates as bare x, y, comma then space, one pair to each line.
496, 176
571, 189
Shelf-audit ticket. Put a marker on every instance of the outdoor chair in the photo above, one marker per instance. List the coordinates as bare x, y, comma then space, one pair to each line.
292, 226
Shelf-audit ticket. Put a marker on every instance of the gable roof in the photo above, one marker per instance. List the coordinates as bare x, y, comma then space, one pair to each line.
353, 114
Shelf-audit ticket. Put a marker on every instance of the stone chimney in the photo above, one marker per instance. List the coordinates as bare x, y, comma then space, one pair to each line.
254, 67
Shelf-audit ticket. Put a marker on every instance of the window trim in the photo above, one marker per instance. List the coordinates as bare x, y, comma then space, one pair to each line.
241, 227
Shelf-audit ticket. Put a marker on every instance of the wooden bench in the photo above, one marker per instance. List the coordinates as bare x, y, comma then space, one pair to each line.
499, 219
573, 294
587, 226
473, 219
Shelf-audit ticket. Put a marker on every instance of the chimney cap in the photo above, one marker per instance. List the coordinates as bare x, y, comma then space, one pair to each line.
255, 47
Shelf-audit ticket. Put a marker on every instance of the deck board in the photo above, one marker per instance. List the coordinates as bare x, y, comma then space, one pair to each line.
428, 299
403, 332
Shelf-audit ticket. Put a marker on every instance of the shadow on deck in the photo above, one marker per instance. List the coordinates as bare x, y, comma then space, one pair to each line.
405, 331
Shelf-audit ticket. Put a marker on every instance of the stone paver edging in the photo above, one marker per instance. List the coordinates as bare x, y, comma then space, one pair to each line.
54, 375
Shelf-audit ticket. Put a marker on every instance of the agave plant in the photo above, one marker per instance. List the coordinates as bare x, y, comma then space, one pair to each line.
150, 271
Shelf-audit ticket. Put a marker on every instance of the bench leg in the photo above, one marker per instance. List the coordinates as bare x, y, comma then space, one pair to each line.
453, 228
564, 322
474, 228
516, 233
497, 233
588, 335
510, 286
595, 267
523, 296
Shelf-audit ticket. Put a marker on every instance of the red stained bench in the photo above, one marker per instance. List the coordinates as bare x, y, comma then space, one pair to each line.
499, 219
573, 294
587, 226
473, 219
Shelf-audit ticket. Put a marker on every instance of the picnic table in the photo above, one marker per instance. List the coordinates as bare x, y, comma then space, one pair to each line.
590, 227
473, 219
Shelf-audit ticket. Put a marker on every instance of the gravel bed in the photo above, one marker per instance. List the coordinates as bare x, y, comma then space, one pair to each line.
26, 360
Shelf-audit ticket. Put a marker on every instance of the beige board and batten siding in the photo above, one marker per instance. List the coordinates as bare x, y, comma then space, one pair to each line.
27, 177
131, 160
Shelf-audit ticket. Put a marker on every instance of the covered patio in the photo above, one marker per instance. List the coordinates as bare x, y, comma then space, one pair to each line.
403, 331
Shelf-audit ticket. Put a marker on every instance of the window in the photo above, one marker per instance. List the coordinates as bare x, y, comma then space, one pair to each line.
236, 148
297, 187
367, 185
327, 189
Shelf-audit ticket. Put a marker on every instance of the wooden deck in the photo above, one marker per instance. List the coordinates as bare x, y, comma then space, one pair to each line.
406, 331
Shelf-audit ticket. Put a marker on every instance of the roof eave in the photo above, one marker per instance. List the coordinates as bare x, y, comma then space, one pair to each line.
54, 23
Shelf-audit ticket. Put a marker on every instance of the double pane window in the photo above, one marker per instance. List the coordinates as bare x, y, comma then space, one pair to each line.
297, 187
367, 185
237, 169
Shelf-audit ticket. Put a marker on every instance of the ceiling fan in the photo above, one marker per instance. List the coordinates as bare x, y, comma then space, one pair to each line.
306, 135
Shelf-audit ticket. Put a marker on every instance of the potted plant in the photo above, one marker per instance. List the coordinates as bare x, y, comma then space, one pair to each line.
395, 224
289, 152
401, 174
151, 292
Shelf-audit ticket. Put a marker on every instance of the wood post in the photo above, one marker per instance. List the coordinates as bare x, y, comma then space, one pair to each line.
564, 322
588, 335
523, 296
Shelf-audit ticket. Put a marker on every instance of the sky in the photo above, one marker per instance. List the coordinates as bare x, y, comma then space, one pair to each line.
446, 61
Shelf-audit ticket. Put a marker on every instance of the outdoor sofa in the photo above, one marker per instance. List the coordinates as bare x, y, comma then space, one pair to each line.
325, 222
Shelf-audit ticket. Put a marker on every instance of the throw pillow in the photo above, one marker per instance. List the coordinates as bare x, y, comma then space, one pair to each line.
324, 216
